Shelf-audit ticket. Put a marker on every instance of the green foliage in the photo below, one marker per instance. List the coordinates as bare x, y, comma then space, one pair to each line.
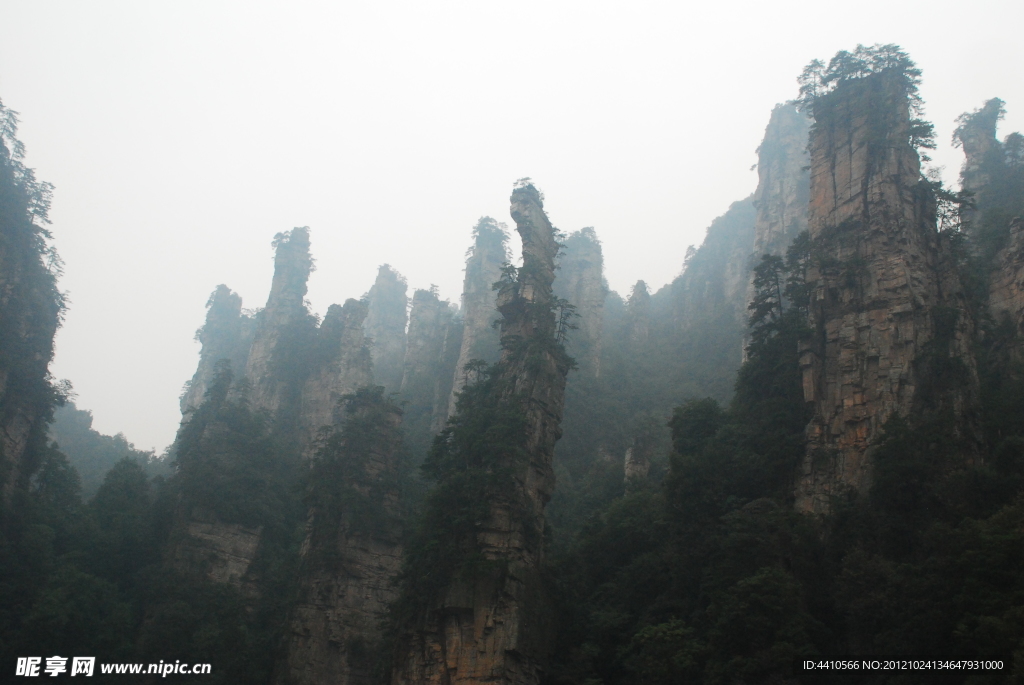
354, 471
818, 80
229, 462
471, 463
31, 307
234, 467
997, 180
705, 579
885, 70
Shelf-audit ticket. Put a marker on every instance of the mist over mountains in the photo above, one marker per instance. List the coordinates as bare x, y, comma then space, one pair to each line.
810, 442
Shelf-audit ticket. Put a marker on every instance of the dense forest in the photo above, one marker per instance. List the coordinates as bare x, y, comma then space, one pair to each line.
809, 445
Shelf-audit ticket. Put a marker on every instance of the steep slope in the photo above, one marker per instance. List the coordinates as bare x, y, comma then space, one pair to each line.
881, 301
352, 550
227, 334
283, 329
341, 364
427, 368
479, 310
385, 327
581, 283
30, 310
481, 618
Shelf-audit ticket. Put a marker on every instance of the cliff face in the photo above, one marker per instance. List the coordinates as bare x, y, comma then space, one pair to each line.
480, 340
488, 628
281, 324
221, 552
638, 312
30, 307
385, 327
295, 374
879, 292
714, 280
341, 365
976, 134
1006, 287
448, 371
227, 334
428, 322
352, 550
428, 367
581, 282
783, 182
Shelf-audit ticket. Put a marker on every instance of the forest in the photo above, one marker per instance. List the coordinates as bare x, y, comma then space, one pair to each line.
809, 446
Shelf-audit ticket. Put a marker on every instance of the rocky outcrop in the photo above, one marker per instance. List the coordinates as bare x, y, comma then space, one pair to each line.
221, 552
30, 308
283, 325
479, 309
428, 322
341, 365
489, 628
385, 327
637, 464
227, 334
878, 293
1006, 285
783, 182
712, 289
352, 550
295, 375
638, 313
451, 350
428, 367
581, 282
976, 134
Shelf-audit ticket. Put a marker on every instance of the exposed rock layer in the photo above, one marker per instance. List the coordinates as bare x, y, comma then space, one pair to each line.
429, 366
479, 310
783, 182
489, 630
385, 326
349, 565
227, 334
638, 310
876, 282
580, 281
30, 307
341, 365
279, 322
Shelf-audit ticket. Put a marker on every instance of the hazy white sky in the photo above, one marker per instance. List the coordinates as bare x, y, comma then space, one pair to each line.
181, 136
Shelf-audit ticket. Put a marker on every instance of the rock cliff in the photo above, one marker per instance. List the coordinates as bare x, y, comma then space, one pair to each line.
282, 327
479, 309
385, 327
428, 367
352, 550
976, 134
30, 309
1006, 284
783, 181
257, 428
880, 295
227, 334
581, 282
341, 365
488, 627
638, 312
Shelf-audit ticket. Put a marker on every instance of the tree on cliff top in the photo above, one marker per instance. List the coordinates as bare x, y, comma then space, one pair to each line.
818, 80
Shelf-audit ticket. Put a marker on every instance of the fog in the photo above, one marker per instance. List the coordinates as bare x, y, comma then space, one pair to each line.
182, 136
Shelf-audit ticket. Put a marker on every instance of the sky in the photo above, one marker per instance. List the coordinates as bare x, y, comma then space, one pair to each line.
182, 136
